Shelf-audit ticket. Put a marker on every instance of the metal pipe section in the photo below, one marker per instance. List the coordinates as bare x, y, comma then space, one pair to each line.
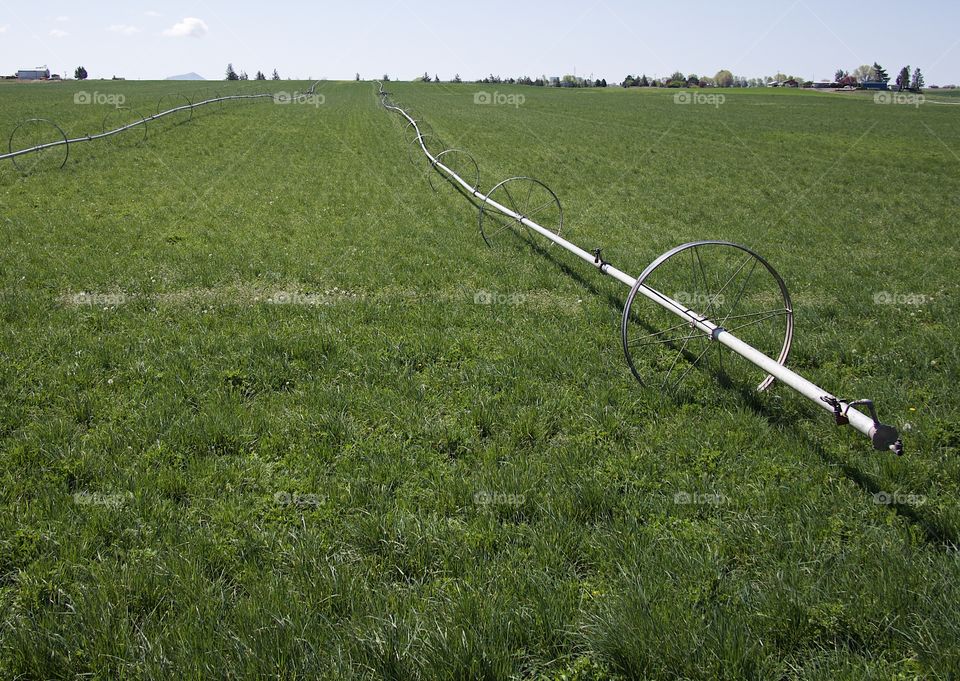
142, 121
883, 437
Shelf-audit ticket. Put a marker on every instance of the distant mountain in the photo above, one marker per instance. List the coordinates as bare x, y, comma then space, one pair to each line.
187, 76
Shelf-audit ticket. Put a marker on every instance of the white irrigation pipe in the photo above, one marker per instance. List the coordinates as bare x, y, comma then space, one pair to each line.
882, 436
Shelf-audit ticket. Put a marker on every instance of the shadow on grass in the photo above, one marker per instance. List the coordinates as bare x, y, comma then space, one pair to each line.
938, 532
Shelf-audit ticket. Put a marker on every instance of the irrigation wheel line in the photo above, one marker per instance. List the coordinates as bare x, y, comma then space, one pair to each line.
687, 323
64, 141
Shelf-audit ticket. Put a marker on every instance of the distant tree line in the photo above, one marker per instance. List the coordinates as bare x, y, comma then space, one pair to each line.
542, 81
233, 75
860, 77
566, 81
723, 78
864, 74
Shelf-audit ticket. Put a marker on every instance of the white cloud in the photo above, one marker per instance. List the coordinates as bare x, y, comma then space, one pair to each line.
190, 26
153, 13
123, 29
62, 19
57, 33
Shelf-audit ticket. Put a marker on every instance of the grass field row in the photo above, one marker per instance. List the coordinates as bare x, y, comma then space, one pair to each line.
255, 420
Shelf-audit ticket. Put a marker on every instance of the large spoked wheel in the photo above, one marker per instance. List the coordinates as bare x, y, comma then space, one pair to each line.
527, 198
37, 133
721, 283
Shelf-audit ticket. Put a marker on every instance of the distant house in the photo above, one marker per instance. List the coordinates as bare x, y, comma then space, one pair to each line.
791, 83
33, 74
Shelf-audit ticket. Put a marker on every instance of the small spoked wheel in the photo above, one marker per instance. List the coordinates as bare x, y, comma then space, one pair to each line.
120, 117
410, 130
524, 197
715, 283
432, 143
460, 162
39, 134
175, 101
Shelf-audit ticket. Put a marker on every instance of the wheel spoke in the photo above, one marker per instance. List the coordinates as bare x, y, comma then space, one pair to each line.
756, 314
512, 202
756, 321
539, 208
736, 301
664, 341
660, 333
503, 224
678, 356
692, 364
716, 296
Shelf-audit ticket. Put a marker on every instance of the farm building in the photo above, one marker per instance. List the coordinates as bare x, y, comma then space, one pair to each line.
33, 74
874, 85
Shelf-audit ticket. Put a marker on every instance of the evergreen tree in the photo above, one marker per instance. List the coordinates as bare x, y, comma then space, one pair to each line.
903, 78
80, 73
275, 76
916, 83
879, 74
260, 76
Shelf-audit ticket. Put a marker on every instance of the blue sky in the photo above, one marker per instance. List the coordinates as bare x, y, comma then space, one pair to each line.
606, 38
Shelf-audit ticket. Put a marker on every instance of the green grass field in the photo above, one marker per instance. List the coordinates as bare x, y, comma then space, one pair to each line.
253, 423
